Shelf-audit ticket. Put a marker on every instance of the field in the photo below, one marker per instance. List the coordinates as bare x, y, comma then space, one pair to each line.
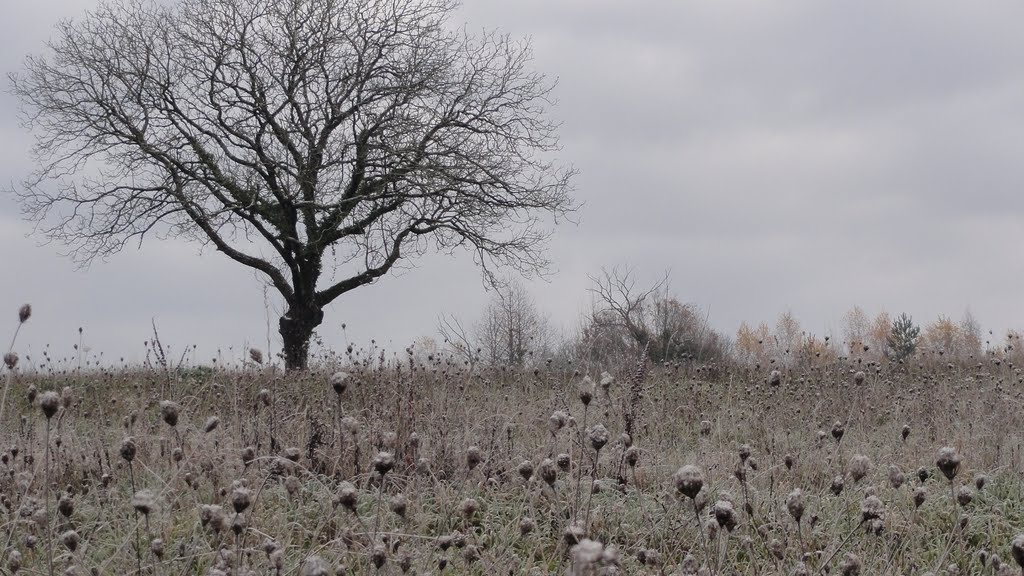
432, 466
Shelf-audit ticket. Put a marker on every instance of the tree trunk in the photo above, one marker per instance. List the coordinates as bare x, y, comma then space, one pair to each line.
296, 327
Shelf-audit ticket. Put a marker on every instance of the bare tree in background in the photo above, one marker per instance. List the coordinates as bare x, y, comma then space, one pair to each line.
627, 319
319, 142
510, 329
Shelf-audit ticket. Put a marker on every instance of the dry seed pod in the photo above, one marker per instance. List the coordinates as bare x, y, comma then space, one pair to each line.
473, 457
241, 497
795, 504
547, 472
724, 514
1017, 550
632, 456
920, 494
598, 437
383, 462
525, 469
144, 502
49, 402
169, 412
948, 462
24, 313
688, 481
339, 382
872, 508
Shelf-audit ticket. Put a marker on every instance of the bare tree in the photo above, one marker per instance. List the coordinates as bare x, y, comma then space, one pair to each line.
512, 327
627, 319
319, 142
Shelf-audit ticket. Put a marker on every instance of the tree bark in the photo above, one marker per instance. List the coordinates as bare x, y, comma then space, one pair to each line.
296, 328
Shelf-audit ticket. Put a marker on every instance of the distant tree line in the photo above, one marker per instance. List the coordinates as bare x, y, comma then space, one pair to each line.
628, 320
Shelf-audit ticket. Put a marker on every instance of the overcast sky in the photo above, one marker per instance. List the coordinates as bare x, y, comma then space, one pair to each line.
803, 156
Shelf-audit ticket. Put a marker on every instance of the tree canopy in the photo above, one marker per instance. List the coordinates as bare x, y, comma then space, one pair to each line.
318, 142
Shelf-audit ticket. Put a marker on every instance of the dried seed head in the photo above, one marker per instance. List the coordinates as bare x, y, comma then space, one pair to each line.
350, 425
169, 412
213, 516
585, 556
156, 546
211, 424
11, 360
525, 469
896, 478
256, 355
248, 455
1017, 550
264, 396
241, 497
468, 508
14, 561
724, 514
872, 508
144, 502
347, 496
948, 462
49, 402
688, 481
795, 504
598, 436
67, 397
128, 448
851, 565
837, 485
632, 456
473, 457
24, 313
66, 506
564, 462
905, 433
32, 393
964, 496
339, 382
705, 427
860, 466
292, 485
547, 472
526, 525
557, 421
586, 391
838, 430
399, 504
980, 481
922, 474
378, 556
744, 451
71, 539
315, 566
573, 534
858, 377
383, 462
920, 494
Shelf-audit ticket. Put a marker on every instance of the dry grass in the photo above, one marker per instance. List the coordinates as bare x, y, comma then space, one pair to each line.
470, 490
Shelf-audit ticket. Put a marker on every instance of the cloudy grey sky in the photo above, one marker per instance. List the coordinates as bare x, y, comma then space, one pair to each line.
803, 156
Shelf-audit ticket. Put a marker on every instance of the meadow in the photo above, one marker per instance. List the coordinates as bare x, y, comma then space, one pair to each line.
431, 465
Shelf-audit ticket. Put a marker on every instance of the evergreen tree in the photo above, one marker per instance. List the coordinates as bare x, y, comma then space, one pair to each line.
903, 338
